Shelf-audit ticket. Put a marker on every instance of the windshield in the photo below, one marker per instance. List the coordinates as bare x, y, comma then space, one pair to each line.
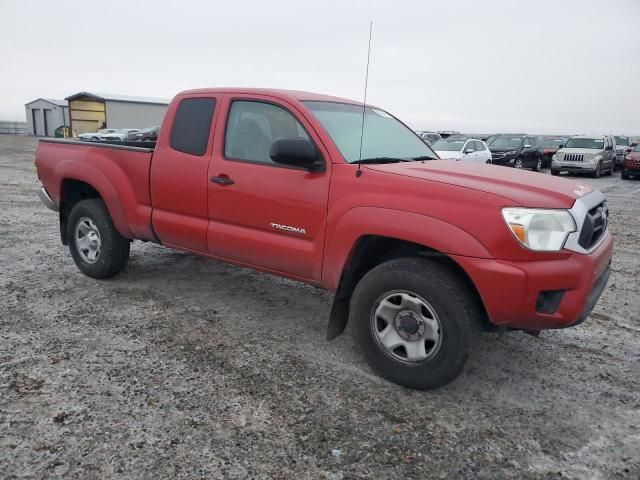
594, 143
551, 142
383, 136
624, 141
637, 149
506, 142
449, 145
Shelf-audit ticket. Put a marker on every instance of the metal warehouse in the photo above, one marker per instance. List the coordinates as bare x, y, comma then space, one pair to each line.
44, 115
90, 112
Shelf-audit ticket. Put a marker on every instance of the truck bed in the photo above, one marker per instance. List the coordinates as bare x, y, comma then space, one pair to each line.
119, 172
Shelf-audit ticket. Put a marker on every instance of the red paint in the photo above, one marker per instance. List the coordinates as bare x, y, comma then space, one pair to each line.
452, 207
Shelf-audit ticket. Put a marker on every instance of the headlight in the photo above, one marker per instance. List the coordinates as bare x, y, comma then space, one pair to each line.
539, 229
511, 152
555, 157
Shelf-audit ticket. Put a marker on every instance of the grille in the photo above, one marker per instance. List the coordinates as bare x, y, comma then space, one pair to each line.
594, 226
573, 157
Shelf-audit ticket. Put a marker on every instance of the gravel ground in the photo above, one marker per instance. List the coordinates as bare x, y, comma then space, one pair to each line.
183, 367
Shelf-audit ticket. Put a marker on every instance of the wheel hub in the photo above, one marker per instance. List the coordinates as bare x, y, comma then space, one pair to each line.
409, 325
87, 240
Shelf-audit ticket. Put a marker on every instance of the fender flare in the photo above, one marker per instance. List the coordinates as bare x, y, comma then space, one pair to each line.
85, 172
424, 230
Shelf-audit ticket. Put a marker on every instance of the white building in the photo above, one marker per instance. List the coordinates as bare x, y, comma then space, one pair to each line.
91, 111
44, 115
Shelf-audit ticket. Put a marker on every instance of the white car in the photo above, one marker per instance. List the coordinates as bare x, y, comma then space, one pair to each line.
462, 148
96, 135
119, 135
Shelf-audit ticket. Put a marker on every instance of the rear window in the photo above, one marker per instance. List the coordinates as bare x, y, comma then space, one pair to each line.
191, 125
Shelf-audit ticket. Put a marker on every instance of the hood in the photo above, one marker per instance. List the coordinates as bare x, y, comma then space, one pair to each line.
528, 189
445, 154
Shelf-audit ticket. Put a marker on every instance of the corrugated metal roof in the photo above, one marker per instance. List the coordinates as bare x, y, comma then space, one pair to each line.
54, 101
110, 97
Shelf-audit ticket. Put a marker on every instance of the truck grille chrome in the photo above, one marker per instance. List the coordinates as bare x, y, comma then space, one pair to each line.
594, 226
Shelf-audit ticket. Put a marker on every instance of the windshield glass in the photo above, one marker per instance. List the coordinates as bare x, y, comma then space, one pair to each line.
506, 142
383, 136
595, 143
637, 149
622, 141
449, 144
551, 142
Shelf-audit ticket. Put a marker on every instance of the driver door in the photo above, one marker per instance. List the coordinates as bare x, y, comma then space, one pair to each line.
261, 213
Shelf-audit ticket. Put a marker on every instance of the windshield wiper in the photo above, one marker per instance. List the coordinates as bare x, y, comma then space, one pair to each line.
423, 157
381, 160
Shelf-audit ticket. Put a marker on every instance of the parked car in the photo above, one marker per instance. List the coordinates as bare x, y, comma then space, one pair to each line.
550, 145
518, 151
421, 254
95, 136
462, 148
119, 135
593, 155
145, 135
631, 165
429, 137
622, 144
447, 133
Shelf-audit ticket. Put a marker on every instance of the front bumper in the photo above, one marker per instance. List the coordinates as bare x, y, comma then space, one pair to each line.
573, 166
511, 290
46, 199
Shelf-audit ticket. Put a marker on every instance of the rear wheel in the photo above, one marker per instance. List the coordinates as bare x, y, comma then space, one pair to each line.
555, 172
538, 165
415, 322
97, 248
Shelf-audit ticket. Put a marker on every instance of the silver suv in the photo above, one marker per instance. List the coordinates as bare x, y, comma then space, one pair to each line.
594, 155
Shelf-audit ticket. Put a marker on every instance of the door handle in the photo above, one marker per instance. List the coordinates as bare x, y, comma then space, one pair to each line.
222, 180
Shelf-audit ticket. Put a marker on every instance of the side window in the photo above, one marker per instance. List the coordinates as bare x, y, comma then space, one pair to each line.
479, 146
253, 126
191, 125
469, 146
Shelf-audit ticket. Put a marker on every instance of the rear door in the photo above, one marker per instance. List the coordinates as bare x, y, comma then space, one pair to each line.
179, 173
264, 214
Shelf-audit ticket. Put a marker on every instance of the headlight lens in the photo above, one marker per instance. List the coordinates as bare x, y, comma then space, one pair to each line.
555, 157
539, 229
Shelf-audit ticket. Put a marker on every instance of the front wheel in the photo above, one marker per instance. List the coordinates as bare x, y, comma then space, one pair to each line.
597, 172
624, 174
97, 248
415, 322
518, 164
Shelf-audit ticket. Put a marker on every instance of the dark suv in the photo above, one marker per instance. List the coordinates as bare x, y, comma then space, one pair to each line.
145, 135
518, 151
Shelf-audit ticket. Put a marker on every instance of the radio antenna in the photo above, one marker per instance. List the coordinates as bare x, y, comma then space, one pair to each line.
364, 101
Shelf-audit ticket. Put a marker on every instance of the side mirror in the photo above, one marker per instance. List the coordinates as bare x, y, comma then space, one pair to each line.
527, 146
296, 152
469, 150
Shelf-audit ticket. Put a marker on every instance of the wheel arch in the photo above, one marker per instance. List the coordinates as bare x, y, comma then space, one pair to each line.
426, 237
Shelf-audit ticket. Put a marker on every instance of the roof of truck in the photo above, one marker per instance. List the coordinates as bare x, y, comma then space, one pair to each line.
285, 94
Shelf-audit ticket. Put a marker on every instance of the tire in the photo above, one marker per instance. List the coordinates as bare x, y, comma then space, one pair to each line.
597, 172
97, 248
94, 139
538, 166
555, 173
518, 164
624, 174
452, 310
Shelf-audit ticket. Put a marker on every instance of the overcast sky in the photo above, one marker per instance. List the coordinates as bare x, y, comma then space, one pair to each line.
541, 66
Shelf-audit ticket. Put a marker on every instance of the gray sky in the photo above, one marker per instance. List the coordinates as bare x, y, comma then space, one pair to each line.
541, 66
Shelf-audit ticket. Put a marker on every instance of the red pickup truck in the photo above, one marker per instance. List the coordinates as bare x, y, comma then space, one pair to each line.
421, 253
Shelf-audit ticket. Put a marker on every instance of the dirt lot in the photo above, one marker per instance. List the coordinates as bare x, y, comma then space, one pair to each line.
182, 367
